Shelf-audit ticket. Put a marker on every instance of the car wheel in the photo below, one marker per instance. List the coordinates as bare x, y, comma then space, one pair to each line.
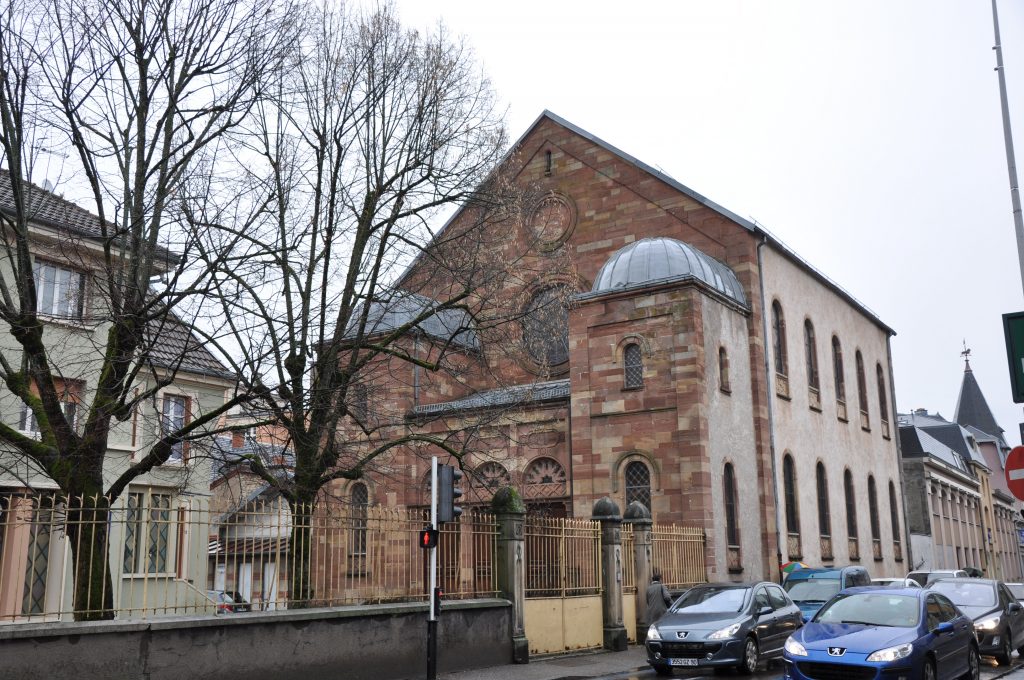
663, 670
748, 662
1003, 657
973, 665
929, 670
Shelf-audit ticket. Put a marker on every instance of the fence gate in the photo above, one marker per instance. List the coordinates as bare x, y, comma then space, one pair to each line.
563, 584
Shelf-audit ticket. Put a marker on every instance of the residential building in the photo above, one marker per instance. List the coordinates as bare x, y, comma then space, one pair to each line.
689, 360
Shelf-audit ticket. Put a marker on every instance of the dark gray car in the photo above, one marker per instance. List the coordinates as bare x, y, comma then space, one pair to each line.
723, 624
998, 616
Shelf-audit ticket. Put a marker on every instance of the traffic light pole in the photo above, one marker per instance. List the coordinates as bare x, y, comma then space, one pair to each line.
432, 569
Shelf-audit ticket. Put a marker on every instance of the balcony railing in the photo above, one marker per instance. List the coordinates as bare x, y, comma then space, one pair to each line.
793, 546
782, 385
841, 410
814, 397
854, 549
876, 549
826, 547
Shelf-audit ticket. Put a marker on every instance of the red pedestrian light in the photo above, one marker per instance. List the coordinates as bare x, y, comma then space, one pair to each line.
428, 538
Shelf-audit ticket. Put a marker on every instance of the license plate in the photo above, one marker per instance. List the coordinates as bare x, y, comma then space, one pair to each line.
682, 662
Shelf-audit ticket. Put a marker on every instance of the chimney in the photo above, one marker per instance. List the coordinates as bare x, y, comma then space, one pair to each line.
920, 412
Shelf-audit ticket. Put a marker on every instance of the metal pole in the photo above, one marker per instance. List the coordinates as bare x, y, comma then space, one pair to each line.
1011, 163
432, 568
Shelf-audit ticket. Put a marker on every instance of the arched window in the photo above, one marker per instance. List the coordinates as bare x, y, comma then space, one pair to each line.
638, 484
723, 370
732, 530
546, 326
883, 404
851, 515
544, 478
862, 390
487, 479
633, 366
792, 511
894, 513
811, 349
824, 518
360, 496
876, 541
779, 339
837, 369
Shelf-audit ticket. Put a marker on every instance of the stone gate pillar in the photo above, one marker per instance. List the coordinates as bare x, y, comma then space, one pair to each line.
510, 513
639, 517
607, 513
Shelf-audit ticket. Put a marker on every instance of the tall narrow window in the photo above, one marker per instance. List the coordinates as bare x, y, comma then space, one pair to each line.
360, 402
894, 517
732, 531
638, 484
883, 403
174, 417
360, 504
837, 369
812, 354
851, 515
633, 366
824, 516
723, 370
779, 339
862, 390
792, 511
876, 541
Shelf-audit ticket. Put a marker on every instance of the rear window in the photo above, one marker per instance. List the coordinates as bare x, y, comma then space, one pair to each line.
967, 594
812, 589
870, 609
921, 577
711, 600
1017, 589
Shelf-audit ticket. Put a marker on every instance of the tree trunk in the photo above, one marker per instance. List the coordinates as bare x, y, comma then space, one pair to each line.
301, 593
87, 528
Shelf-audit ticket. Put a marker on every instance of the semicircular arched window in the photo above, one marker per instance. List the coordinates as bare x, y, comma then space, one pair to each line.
544, 478
638, 483
633, 367
546, 326
487, 479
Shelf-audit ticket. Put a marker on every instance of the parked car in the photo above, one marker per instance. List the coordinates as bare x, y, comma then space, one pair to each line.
998, 617
926, 577
722, 624
909, 633
811, 588
228, 603
898, 582
1016, 589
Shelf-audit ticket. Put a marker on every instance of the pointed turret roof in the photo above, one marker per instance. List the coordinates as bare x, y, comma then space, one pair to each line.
972, 409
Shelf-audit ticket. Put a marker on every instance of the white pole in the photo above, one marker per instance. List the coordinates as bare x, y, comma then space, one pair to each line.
1011, 164
433, 525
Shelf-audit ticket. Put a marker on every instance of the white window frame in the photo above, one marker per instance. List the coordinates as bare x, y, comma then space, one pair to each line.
62, 296
179, 454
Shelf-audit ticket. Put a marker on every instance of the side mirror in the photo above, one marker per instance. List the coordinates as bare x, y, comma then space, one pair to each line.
806, 618
944, 627
1014, 607
764, 611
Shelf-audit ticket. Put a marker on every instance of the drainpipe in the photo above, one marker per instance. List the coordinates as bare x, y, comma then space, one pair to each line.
771, 411
415, 371
895, 424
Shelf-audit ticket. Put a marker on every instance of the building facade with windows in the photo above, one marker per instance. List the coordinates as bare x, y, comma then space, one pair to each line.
688, 360
155, 556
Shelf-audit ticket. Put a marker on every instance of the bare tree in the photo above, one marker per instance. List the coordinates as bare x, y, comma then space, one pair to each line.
140, 98
337, 270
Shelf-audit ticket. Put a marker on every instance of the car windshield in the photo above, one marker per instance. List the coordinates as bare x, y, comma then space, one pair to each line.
711, 600
813, 589
871, 609
1017, 589
967, 594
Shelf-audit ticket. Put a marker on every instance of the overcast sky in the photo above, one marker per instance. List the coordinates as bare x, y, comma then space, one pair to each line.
866, 135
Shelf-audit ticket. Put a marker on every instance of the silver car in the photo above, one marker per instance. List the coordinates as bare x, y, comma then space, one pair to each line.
723, 624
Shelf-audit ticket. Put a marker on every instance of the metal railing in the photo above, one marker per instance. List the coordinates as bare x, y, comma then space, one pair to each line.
628, 561
154, 553
563, 557
679, 555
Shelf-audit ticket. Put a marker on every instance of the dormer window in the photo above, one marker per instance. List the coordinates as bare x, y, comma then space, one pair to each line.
60, 292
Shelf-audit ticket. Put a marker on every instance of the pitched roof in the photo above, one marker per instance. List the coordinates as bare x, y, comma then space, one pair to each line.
552, 390
48, 209
173, 346
924, 434
972, 409
446, 325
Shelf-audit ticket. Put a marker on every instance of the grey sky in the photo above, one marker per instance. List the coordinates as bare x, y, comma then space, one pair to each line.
865, 134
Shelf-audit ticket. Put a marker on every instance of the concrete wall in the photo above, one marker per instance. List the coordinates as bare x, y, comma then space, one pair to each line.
356, 643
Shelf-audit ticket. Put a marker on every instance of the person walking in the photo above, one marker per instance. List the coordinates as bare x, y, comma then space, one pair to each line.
658, 598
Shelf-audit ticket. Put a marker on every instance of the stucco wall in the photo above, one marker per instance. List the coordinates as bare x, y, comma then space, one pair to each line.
810, 435
357, 643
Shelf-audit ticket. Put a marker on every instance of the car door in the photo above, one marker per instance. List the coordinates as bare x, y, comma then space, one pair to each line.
787, 615
765, 626
1014, 614
951, 647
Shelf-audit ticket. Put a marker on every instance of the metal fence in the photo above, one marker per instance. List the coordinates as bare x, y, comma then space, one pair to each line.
563, 557
155, 553
678, 553
628, 560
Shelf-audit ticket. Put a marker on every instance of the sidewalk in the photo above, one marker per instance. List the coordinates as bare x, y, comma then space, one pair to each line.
588, 665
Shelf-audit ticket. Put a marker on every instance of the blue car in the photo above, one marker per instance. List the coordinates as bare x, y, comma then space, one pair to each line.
874, 633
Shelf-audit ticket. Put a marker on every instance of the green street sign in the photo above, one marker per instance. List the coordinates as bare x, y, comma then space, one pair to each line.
1013, 327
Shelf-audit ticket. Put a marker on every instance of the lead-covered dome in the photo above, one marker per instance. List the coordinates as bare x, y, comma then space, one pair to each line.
657, 260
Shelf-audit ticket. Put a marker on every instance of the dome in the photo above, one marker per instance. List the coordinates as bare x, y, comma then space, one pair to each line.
657, 260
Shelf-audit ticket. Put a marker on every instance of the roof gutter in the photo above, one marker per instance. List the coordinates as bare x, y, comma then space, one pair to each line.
771, 411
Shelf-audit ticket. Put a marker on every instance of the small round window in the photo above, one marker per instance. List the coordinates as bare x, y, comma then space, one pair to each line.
546, 326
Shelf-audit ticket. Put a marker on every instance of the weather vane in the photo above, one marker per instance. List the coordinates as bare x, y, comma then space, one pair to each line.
966, 354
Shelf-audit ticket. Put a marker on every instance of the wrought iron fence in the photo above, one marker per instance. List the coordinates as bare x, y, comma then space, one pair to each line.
154, 553
628, 561
563, 557
679, 555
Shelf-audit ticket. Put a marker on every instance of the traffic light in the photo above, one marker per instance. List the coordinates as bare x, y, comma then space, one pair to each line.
447, 492
428, 538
